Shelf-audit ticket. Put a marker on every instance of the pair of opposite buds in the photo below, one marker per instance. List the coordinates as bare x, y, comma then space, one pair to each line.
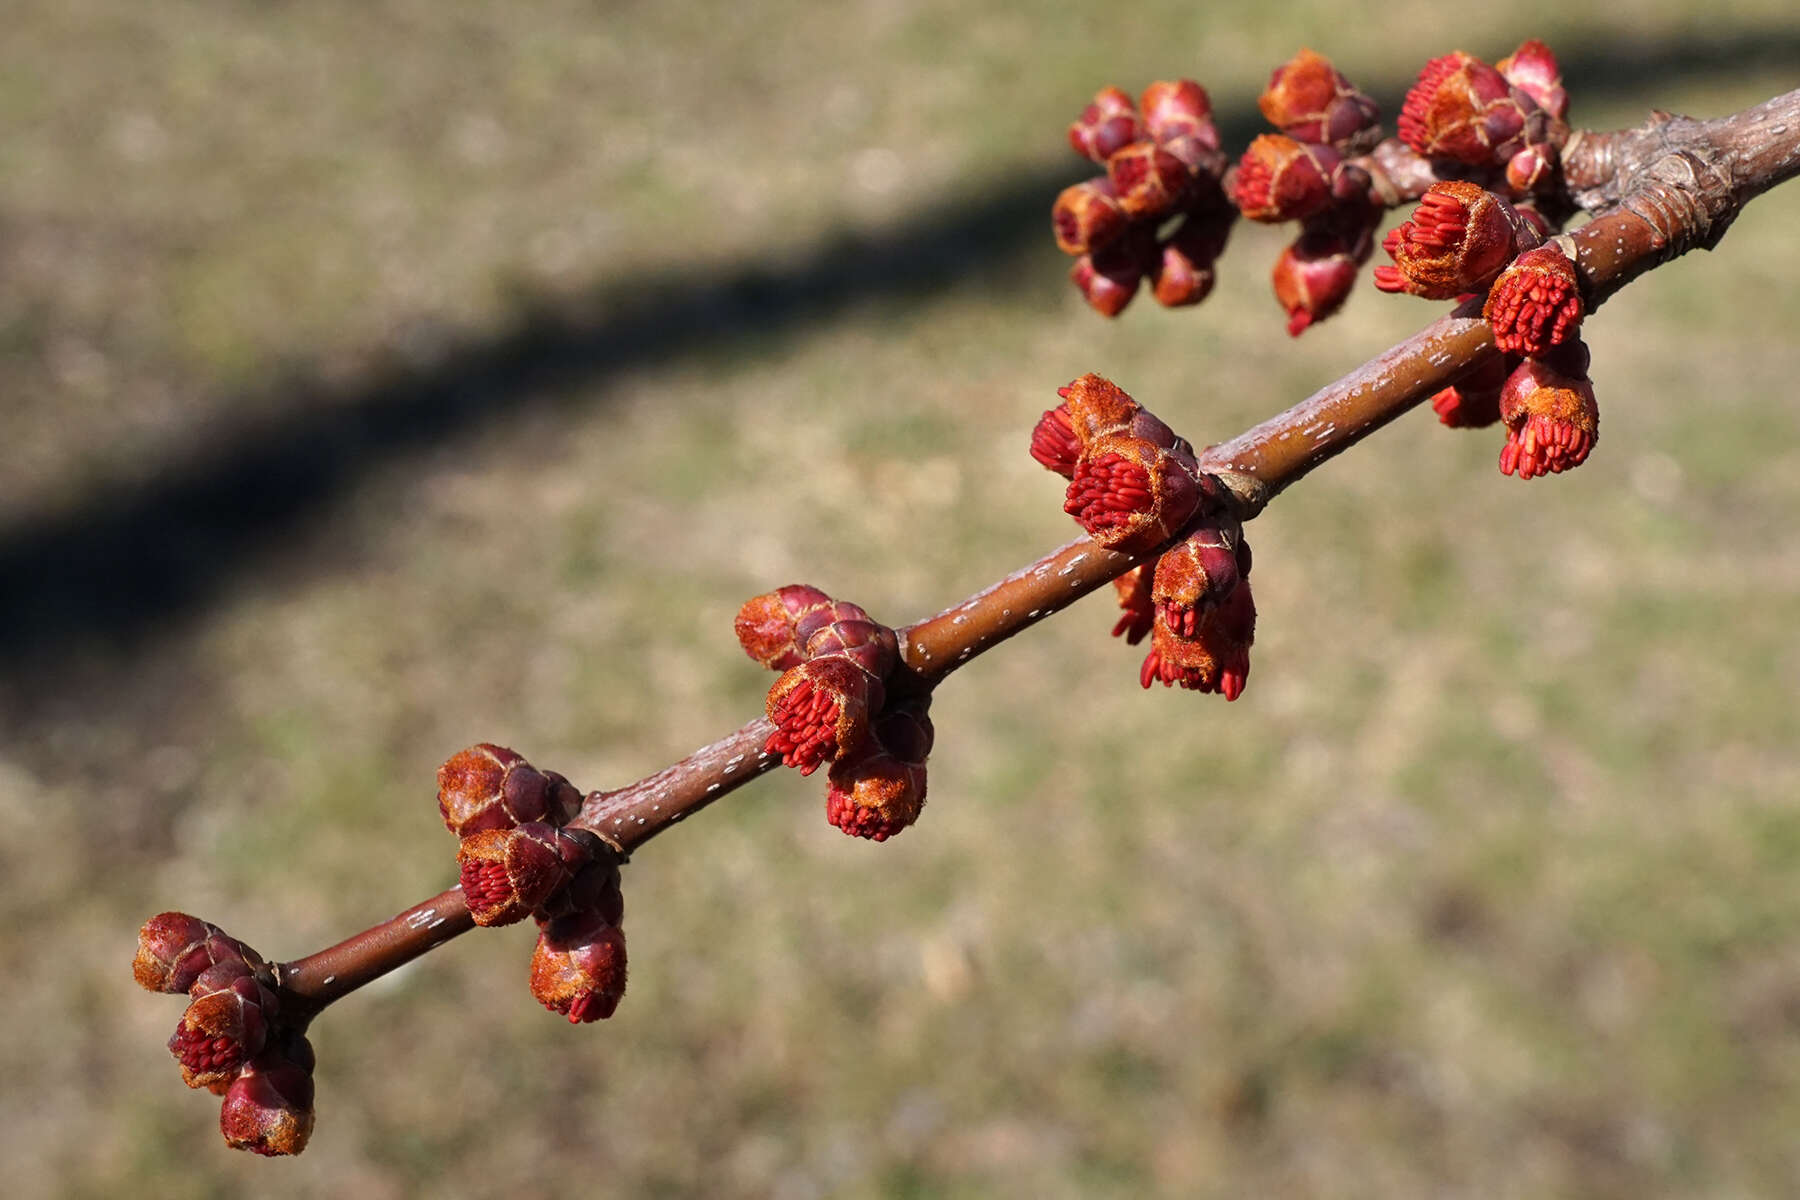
519, 859
831, 706
1133, 486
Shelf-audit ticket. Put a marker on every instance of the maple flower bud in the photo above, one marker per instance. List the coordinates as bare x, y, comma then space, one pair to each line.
765, 624
1280, 179
491, 787
578, 967
1053, 441
1096, 405
1087, 216
1109, 277
1473, 402
225, 1026
1531, 169
1184, 273
1130, 494
1459, 238
821, 710
869, 644
1535, 305
1194, 575
1148, 180
1465, 110
1313, 277
1533, 69
1215, 658
507, 874
268, 1108
1552, 420
881, 791
1105, 126
1310, 100
1137, 609
1179, 109
174, 948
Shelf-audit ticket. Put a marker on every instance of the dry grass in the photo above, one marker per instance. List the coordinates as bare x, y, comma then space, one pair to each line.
582, 324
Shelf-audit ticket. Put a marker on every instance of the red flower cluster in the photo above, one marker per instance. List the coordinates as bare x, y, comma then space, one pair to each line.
829, 707
1162, 160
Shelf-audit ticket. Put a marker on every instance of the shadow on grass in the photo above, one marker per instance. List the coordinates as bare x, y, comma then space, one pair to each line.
128, 560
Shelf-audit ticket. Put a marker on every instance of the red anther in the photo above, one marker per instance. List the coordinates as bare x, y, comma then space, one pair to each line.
508, 874
1105, 126
1053, 442
821, 710
1280, 179
1535, 305
225, 1026
1194, 575
1138, 609
1215, 657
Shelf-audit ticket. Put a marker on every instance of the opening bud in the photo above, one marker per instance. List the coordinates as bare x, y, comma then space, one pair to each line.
491, 787
1280, 179
765, 624
821, 709
268, 1108
1179, 109
1053, 442
225, 1026
1533, 69
508, 874
1535, 305
1195, 575
1087, 216
174, 948
1148, 180
578, 967
1130, 494
1310, 100
1552, 420
877, 794
1105, 126
1458, 239
1473, 402
1215, 658
1465, 110
1138, 610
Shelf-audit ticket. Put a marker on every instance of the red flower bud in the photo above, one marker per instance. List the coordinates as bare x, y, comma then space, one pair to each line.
1138, 609
174, 948
1458, 239
578, 967
1216, 658
1473, 402
1531, 169
821, 710
1536, 303
1108, 278
1533, 69
1280, 179
491, 787
1465, 110
1313, 277
865, 642
880, 792
1130, 494
1195, 575
1310, 100
765, 624
1148, 180
1552, 420
1104, 126
507, 874
1087, 216
1053, 442
1096, 405
268, 1108
225, 1026
1184, 274
1179, 109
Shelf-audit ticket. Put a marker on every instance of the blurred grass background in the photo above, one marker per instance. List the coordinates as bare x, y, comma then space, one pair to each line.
385, 377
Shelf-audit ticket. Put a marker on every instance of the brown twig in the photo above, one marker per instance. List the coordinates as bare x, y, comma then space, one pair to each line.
1665, 188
